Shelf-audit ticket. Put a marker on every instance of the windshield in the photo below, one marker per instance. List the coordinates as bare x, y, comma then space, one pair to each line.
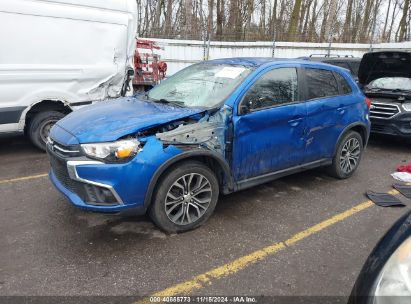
391, 83
200, 85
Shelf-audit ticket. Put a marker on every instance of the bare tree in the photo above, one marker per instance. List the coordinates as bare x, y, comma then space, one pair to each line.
288, 20
403, 23
292, 29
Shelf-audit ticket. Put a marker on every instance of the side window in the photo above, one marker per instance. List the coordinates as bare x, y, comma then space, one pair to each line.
276, 87
320, 83
345, 87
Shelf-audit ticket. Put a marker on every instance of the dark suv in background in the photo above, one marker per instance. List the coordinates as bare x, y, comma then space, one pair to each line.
350, 63
385, 78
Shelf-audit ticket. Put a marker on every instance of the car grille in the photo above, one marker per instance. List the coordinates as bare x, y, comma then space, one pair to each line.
383, 110
59, 168
90, 194
63, 150
381, 129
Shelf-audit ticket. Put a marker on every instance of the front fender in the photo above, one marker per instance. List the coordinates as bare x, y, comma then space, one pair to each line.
186, 155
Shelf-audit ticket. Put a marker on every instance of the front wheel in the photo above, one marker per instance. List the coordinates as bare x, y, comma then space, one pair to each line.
348, 155
40, 125
185, 197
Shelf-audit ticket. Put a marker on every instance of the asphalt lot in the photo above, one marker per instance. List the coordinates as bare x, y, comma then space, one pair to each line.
47, 247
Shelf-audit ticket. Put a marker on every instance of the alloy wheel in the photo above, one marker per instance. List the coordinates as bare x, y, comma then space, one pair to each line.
350, 155
188, 199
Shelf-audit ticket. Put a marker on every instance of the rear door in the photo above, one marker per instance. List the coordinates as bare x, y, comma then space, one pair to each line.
325, 112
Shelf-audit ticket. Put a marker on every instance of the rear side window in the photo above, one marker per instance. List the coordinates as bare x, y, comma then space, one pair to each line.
274, 88
345, 87
320, 83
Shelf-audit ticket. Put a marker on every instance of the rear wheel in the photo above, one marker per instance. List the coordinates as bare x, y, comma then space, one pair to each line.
348, 155
40, 126
185, 198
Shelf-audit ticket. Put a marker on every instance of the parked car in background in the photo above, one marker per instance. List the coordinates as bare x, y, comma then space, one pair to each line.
386, 275
386, 79
350, 63
215, 127
60, 55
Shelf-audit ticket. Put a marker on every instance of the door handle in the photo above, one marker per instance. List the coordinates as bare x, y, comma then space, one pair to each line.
295, 122
341, 110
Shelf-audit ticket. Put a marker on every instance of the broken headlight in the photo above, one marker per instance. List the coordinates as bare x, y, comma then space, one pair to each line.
117, 151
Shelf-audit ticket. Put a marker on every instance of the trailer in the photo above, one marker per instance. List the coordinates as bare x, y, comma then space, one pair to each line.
149, 69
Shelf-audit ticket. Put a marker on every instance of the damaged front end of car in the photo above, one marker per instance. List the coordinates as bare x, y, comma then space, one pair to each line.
206, 138
104, 170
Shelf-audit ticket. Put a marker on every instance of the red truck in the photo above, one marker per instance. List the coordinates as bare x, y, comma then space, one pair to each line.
149, 69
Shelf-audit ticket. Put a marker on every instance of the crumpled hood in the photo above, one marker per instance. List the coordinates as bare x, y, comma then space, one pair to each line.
110, 120
384, 64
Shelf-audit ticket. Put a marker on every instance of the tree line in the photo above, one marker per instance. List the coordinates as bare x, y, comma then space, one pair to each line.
350, 21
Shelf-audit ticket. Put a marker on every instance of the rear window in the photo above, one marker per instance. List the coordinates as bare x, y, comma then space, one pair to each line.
320, 83
345, 87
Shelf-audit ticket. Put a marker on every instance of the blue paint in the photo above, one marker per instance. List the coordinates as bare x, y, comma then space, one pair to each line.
110, 120
253, 144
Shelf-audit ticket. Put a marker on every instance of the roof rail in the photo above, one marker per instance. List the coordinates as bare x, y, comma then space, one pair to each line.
331, 56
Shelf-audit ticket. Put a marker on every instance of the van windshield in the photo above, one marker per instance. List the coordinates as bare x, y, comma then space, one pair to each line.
200, 85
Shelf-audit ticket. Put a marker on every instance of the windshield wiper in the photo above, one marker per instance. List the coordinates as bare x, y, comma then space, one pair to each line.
371, 90
401, 91
173, 102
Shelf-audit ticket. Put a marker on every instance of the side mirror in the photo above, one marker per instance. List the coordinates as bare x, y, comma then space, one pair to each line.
130, 72
381, 279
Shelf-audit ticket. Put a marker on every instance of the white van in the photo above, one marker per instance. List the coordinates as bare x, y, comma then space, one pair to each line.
59, 55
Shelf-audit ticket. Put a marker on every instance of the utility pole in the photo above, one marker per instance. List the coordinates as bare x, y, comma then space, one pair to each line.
273, 47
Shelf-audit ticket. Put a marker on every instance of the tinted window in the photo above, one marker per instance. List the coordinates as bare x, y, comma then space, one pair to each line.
355, 66
345, 87
340, 64
274, 88
320, 83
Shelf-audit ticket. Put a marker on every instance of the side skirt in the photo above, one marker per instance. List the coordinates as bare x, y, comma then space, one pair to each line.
254, 181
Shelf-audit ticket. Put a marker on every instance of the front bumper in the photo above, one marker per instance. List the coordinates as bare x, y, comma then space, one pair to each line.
399, 125
101, 187
80, 203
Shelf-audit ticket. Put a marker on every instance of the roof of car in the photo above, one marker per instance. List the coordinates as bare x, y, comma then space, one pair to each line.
254, 61
331, 59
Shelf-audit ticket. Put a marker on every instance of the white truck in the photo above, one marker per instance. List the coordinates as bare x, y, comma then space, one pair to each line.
59, 55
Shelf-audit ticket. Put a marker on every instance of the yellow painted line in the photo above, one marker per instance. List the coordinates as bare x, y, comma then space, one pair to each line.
202, 280
24, 178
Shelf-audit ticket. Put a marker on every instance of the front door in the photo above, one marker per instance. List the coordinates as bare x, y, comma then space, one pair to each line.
269, 131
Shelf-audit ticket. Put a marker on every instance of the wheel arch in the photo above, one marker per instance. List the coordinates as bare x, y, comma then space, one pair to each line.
357, 127
42, 106
211, 159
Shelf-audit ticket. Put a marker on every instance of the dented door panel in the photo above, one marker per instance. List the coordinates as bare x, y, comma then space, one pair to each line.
268, 140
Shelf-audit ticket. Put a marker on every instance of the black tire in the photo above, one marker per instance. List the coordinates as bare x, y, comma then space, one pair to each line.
337, 169
166, 185
40, 124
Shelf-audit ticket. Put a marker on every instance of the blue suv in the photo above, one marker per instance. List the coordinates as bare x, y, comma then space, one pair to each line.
215, 127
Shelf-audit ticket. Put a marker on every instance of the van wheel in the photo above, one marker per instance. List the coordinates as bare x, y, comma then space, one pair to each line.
185, 197
348, 156
40, 125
